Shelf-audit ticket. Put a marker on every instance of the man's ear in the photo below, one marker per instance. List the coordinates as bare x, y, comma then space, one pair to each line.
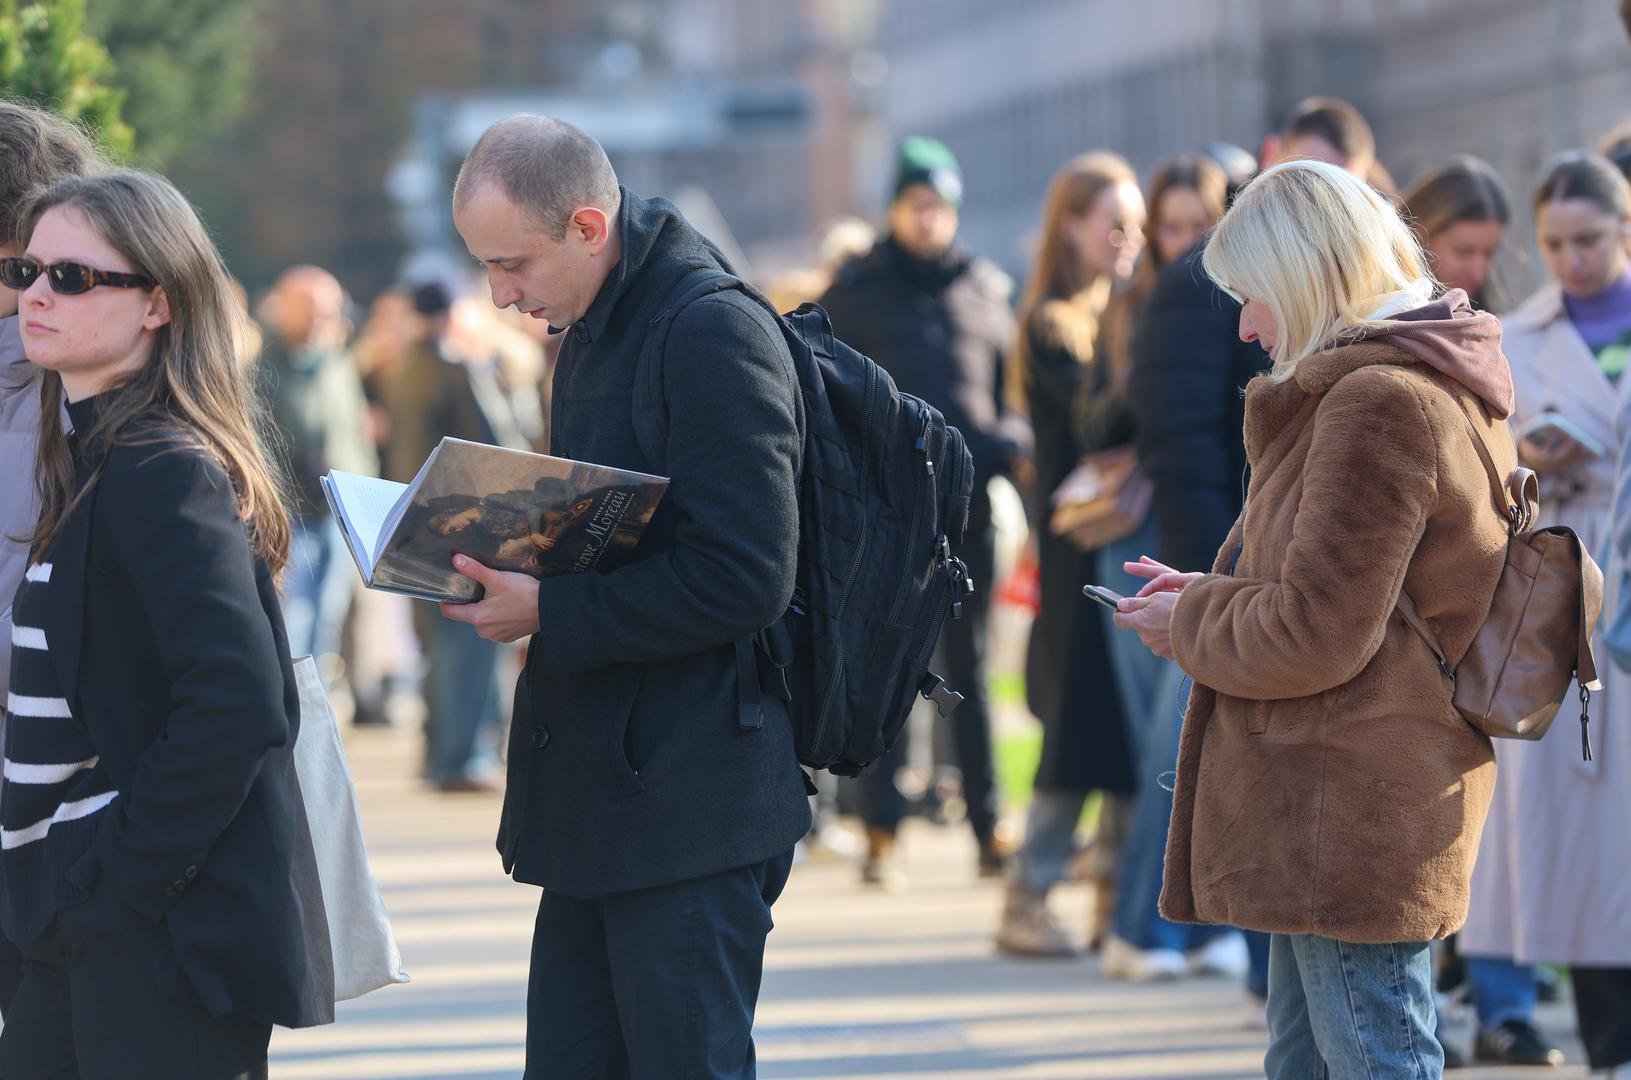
1269, 155
591, 225
158, 309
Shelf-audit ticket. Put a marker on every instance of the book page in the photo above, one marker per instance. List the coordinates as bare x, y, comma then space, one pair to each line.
366, 504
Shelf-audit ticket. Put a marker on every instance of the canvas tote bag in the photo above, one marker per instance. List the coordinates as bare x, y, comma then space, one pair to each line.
365, 952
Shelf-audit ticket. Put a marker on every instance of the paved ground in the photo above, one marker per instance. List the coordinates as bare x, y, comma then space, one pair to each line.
858, 984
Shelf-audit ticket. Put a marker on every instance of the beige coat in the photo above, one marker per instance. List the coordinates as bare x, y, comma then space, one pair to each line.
1326, 785
1553, 883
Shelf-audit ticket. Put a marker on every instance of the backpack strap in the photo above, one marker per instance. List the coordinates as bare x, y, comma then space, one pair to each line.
650, 409
650, 404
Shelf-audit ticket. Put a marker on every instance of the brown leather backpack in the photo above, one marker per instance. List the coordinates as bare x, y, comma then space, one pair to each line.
1537, 636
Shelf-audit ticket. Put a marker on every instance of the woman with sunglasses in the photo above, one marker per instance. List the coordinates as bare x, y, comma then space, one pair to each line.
158, 870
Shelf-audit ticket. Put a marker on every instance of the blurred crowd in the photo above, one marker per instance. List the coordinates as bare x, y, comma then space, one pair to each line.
1102, 401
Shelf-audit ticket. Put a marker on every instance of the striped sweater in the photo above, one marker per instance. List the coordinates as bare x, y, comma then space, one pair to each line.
53, 791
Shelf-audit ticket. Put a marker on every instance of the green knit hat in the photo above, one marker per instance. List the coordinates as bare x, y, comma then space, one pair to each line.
930, 162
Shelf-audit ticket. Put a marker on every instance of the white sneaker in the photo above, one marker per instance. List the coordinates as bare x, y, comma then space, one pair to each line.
1128, 963
1225, 956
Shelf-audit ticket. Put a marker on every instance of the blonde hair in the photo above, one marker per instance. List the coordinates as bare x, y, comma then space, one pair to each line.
1057, 273
1320, 249
196, 379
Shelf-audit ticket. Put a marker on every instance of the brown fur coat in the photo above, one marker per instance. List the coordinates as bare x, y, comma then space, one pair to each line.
1326, 785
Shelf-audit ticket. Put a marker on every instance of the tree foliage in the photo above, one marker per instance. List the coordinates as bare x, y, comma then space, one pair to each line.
46, 57
186, 66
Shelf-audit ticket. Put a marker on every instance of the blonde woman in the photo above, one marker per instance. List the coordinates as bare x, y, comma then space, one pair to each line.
159, 874
1327, 791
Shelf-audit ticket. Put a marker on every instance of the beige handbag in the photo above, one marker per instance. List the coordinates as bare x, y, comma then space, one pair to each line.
365, 952
1105, 499
1537, 636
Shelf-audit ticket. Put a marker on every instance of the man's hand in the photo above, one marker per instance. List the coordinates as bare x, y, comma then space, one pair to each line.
508, 611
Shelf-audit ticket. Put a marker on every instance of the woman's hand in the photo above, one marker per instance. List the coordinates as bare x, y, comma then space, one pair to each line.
1150, 616
1162, 578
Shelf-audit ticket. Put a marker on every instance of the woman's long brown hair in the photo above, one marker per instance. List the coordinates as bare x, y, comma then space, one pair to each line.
196, 378
1464, 188
1058, 270
1187, 172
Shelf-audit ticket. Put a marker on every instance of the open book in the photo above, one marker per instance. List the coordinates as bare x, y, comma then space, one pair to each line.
506, 509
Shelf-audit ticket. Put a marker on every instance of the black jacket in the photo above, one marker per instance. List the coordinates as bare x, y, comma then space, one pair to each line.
1189, 376
941, 330
169, 643
1069, 679
627, 768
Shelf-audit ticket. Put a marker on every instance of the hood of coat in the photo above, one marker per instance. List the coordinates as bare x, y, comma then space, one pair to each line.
1447, 334
647, 226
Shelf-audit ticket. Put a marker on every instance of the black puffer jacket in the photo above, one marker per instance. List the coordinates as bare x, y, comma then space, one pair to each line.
1187, 390
941, 328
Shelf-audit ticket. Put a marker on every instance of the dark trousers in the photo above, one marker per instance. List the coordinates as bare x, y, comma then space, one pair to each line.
90, 1008
960, 660
1602, 1001
654, 983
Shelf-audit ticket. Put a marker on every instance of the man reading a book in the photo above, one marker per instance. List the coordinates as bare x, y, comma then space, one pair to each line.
660, 824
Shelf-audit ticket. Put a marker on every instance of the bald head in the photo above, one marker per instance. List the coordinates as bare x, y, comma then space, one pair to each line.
547, 167
307, 306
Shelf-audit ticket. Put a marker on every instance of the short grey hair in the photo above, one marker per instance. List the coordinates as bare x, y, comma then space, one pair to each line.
546, 166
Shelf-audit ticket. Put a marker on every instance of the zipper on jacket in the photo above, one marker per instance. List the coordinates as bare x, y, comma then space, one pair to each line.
825, 714
922, 444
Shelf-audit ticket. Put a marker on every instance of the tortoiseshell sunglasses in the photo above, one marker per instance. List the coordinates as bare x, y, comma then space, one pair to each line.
66, 278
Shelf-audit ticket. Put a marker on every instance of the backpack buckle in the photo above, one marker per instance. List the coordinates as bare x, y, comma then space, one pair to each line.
934, 689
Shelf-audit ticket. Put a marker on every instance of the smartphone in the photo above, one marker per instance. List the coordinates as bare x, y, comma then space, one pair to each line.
1100, 595
1551, 425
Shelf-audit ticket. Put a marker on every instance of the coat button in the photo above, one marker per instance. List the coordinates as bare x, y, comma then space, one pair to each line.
192, 872
540, 737
581, 332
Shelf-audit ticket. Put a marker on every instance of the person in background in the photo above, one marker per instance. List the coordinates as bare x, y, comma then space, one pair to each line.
37, 147
1553, 884
159, 870
1311, 697
1460, 211
1091, 236
430, 394
316, 398
937, 319
1186, 199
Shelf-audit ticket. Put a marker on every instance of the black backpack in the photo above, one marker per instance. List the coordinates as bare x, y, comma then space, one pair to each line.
883, 503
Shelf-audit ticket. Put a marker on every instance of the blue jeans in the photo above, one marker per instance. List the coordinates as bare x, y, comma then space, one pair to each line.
1501, 990
1137, 918
461, 696
1050, 838
1340, 1011
318, 587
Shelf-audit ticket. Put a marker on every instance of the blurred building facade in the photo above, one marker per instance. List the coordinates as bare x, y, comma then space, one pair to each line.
1016, 87
767, 119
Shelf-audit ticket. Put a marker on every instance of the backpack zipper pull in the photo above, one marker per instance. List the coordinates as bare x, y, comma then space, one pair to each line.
1585, 724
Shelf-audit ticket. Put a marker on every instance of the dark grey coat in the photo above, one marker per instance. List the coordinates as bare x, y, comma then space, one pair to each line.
627, 769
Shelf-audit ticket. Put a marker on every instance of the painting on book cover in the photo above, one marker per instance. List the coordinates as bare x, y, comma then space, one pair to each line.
518, 512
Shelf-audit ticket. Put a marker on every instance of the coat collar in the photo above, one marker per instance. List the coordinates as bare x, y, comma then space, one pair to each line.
62, 619
1272, 406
